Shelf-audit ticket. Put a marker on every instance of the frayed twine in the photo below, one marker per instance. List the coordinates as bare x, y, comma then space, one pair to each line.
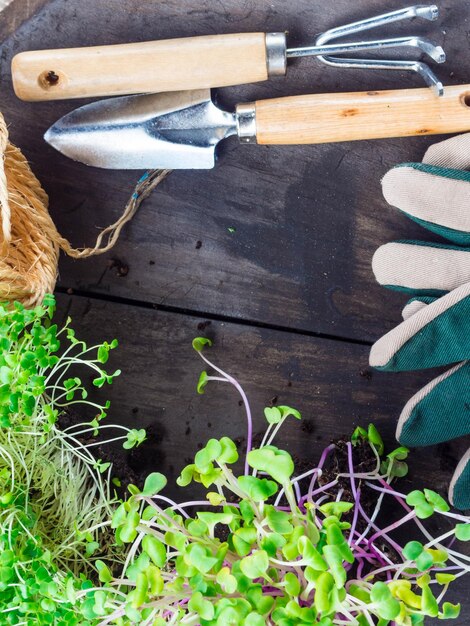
30, 242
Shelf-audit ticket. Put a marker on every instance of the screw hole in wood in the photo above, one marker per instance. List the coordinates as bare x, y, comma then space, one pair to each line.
49, 79
466, 99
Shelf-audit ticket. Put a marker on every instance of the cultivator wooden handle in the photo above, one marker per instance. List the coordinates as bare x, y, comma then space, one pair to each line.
152, 66
326, 118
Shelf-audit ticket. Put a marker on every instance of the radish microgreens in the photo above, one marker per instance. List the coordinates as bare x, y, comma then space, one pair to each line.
265, 546
269, 547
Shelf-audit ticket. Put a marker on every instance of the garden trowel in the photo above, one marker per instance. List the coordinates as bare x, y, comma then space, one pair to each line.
181, 130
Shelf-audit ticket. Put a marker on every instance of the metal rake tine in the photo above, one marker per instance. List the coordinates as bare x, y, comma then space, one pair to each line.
422, 43
420, 68
429, 12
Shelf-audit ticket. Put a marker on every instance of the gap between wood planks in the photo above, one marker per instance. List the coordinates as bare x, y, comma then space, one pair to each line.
208, 316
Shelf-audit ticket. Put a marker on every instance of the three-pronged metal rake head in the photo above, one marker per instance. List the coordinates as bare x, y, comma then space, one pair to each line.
427, 47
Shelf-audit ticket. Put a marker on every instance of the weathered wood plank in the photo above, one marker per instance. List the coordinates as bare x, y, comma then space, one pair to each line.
328, 381
15, 12
306, 219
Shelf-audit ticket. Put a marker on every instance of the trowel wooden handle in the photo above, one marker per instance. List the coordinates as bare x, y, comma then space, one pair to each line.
364, 115
153, 66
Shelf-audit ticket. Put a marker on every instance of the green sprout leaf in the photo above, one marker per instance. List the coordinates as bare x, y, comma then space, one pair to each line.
200, 557
279, 521
226, 580
255, 565
154, 483
438, 503
200, 342
422, 507
325, 595
243, 540
288, 411
375, 439
212, 519
450, 611
292, 584
276, 463
462, 532
202, 382
445, 579
257, 489
155, 549
360, 434
204, 608
413, 550
134, 438
103, 572
273, 415
336, 508
388, 607
394, 465
229, 453
429, 604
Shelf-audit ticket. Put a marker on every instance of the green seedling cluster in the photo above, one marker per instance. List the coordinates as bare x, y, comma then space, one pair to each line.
269, 547
55, 500
264, 546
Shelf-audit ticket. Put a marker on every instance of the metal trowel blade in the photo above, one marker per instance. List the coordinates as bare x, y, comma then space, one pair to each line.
178, 130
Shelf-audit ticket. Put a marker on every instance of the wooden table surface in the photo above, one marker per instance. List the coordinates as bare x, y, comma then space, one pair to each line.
268, 254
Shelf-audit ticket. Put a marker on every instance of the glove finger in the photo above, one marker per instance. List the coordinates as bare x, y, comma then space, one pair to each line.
415, 305
453, 153
438, 412
436, 335
436, 198
459, 490
421, 268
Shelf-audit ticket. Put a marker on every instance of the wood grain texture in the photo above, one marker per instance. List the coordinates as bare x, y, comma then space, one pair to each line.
328, 381
327, 118
307, 219
15, 12
150, 66
304, 223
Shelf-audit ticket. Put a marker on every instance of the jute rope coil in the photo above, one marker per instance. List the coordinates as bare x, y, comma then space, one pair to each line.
30, 242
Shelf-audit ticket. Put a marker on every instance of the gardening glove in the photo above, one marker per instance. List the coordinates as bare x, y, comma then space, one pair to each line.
436, 326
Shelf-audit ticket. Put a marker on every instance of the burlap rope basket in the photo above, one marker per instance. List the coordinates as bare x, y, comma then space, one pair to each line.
30, 242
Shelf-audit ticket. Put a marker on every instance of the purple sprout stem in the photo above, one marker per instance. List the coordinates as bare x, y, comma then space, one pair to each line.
383, 533
236, 384
320, 465
373, 525
356, 492
389, 491
401, 499
309, 496
358, 509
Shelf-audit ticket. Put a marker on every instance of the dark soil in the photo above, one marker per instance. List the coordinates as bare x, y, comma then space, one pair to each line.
364, 461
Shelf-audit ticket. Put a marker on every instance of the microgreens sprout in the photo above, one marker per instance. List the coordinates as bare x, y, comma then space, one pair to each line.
265, 546
269, 547
55, 499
